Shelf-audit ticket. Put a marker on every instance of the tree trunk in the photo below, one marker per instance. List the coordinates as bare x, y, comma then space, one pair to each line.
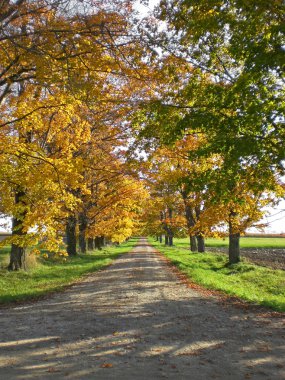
234, 250
82, 242
90, 243
82, 232
18, 254
234, 238
169, 228
160, 238
71, 235
193, 243
201, 243
102, 241
17, 258
190, 221
97, 243
166, 239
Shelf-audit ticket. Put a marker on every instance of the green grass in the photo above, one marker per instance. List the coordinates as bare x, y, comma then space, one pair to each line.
245, 242
49, 276
4, 251
247, 281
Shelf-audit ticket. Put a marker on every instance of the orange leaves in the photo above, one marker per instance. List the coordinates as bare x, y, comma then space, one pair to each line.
106, 365
118, 207
68, 90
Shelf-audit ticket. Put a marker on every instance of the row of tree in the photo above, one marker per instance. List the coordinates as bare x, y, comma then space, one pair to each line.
187, 198
66, 71
215, 131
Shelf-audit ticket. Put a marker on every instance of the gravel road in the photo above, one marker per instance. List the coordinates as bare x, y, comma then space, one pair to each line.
137, 320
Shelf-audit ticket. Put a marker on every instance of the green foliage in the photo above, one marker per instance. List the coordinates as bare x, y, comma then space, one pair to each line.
250, 282
50, 275
228, 83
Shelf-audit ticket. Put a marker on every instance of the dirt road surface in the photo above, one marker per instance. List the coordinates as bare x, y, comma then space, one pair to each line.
137, 320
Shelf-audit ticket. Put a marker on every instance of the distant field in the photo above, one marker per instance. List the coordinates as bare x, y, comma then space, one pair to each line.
245, 242
266, 235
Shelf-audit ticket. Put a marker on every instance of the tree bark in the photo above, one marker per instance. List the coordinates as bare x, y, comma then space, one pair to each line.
201, 243
82, 242
102, 241
193, 243
17, 258
82, 232
234, 238
190, 221
90, 244
169, 229
71, 235
166, 239
234, 248
18, 253
160, 238
97, 242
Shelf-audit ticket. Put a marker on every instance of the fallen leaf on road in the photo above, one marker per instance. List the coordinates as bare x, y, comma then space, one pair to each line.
192, 353
52, 369
106, 365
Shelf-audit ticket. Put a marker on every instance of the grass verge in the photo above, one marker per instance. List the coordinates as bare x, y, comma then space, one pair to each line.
257, 284
49, 275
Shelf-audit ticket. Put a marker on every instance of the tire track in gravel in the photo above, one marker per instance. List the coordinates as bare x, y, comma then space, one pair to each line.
137, 320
